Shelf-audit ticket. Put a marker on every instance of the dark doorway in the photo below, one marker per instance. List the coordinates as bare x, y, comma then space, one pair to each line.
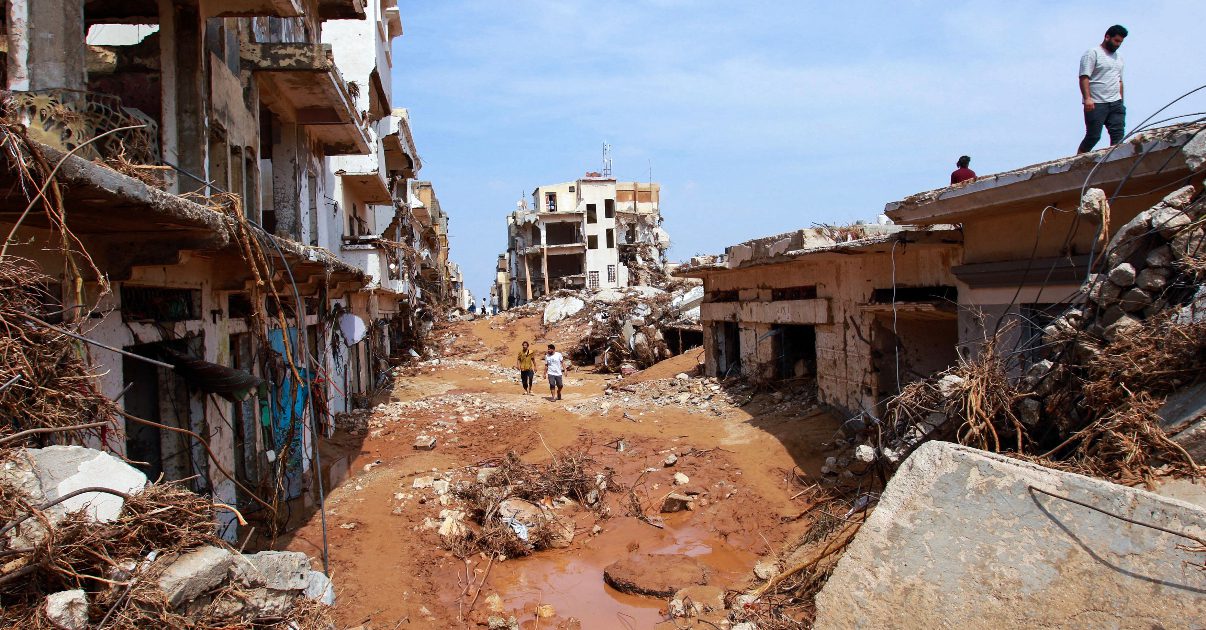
160, 395
680, 340
913, 347
795, 351
144, 445
728, 348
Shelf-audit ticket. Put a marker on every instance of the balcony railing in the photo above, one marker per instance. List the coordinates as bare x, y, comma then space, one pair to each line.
68, 119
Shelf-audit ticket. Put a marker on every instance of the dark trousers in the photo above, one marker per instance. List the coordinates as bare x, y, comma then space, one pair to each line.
525, 377
1112, 116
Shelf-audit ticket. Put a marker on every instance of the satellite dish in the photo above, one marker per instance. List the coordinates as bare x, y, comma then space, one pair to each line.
352, 327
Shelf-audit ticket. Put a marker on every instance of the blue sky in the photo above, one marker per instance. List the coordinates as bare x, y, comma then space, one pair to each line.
756, 117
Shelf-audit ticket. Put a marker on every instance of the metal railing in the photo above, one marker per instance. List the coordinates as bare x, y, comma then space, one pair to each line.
66, 119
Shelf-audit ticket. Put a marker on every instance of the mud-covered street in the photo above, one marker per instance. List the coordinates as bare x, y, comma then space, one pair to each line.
748, 469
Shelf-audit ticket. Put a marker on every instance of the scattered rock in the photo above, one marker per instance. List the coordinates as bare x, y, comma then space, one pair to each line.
675, 502
1161, 256
280, 570
544, 611
453, 525
948, 383
1152, 279
422, 482
681, 479
766, 568
425, 443
670, 460
1030, 409
194, 574
1169, 221
68, 610
1135, 300
864, 453
1123, 275
494, 603
440, 487
484, 474
655, 575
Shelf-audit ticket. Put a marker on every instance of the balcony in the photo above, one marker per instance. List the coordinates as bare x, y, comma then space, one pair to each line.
399, 145
341, 9
303, 86
66, 119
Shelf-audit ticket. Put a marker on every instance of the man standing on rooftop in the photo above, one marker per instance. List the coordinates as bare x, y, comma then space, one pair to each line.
963, 172
1101, 90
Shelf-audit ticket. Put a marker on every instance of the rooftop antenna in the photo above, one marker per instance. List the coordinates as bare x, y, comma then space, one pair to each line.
606, 159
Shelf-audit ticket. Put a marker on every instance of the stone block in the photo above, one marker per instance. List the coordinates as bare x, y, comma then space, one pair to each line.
1135, 300
1161, 256
280, 570
64, 469
194, 574
1153, 279
425, 443
1123, 275
962, 538
320, 588
67, 610
675, 502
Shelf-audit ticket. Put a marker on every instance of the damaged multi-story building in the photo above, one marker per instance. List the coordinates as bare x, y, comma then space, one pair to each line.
231, 211
866, 309
593, 233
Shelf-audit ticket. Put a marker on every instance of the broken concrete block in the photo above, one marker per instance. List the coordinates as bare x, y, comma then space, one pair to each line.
560, 308
1135, 300
453, 525
279, 570
425, 443
656, 575
1119, 327
864, 453
1094, 205
1153, 279
766, 568
1103, 292
484, 474
1169, 221
1179, 198
1182, 417
670, 460
561, 531
67, 610
1161, 256
1030, 409
681, 479
64, 469
675, 502
422, 482
1189, 243
320, 588
194, 574
1123, 275
948, 384
440, 487
958, 525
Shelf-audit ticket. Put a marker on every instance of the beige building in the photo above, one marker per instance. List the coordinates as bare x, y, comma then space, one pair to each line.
593, 233
238, 109
863, 317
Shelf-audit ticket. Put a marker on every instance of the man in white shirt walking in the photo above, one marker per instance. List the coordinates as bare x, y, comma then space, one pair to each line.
1101, 90
553, 370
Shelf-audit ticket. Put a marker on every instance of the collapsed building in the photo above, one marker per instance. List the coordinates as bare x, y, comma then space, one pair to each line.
231, 214
593, 233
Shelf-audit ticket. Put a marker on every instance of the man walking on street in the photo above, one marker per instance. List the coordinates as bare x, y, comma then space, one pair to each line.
526, 364
552, 369
1101, 90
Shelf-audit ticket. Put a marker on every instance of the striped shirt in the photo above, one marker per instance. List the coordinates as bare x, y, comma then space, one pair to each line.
1104, 70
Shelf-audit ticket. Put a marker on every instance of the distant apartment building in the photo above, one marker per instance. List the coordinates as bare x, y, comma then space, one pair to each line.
593, 233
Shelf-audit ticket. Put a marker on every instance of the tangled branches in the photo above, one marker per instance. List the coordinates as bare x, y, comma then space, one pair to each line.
49, 382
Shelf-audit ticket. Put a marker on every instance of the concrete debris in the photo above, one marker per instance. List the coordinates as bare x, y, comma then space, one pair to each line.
670, 460
193, 574
561, 308
675, 502
425, 443
655, 575
67, 610
680, 479
767, 568
958, 525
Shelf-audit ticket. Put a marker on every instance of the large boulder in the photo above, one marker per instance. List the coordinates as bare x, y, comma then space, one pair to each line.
561, 308
964, 538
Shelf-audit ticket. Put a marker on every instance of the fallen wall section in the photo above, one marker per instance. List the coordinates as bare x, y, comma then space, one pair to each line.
961, 538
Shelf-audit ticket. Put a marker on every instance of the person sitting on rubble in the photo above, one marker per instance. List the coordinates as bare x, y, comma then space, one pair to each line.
963, 173
526, 364
552, 369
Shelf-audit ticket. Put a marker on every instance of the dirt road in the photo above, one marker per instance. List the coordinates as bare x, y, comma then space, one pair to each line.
747, 463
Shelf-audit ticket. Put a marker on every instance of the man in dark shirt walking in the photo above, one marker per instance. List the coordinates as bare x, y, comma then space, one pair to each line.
962, 173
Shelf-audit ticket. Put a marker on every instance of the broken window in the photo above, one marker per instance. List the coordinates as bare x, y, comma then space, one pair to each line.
794, 293
611, 239
631, 236
591, 216
592, 241
609, 209
795, 351
915, 294
593, 279
238, 305
721, 296
312, 186
157, 304
550, 202
611, 272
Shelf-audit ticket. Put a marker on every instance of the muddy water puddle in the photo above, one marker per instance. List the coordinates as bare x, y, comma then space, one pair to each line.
571, 581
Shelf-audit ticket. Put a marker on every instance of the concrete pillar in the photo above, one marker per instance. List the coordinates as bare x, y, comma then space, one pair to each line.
46, 45
286, 178
185, 127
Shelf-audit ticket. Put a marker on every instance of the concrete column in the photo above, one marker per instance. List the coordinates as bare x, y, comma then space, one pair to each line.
286, 179
185, 126
46, 45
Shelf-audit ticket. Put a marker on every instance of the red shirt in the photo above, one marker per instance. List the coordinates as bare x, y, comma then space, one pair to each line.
962, 175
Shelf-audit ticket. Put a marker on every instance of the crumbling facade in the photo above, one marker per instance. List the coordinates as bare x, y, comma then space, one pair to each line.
862, 317
593, 233
222, 196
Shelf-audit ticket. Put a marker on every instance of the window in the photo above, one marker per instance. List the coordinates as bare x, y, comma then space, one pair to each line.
611, 273
591, 215
592, 241
593, 280
573, 188
611, 239
550, 202
609, 209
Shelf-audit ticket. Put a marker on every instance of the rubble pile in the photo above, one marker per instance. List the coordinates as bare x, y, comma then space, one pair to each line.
620, 330
1116, 393
87, 542
706, 395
